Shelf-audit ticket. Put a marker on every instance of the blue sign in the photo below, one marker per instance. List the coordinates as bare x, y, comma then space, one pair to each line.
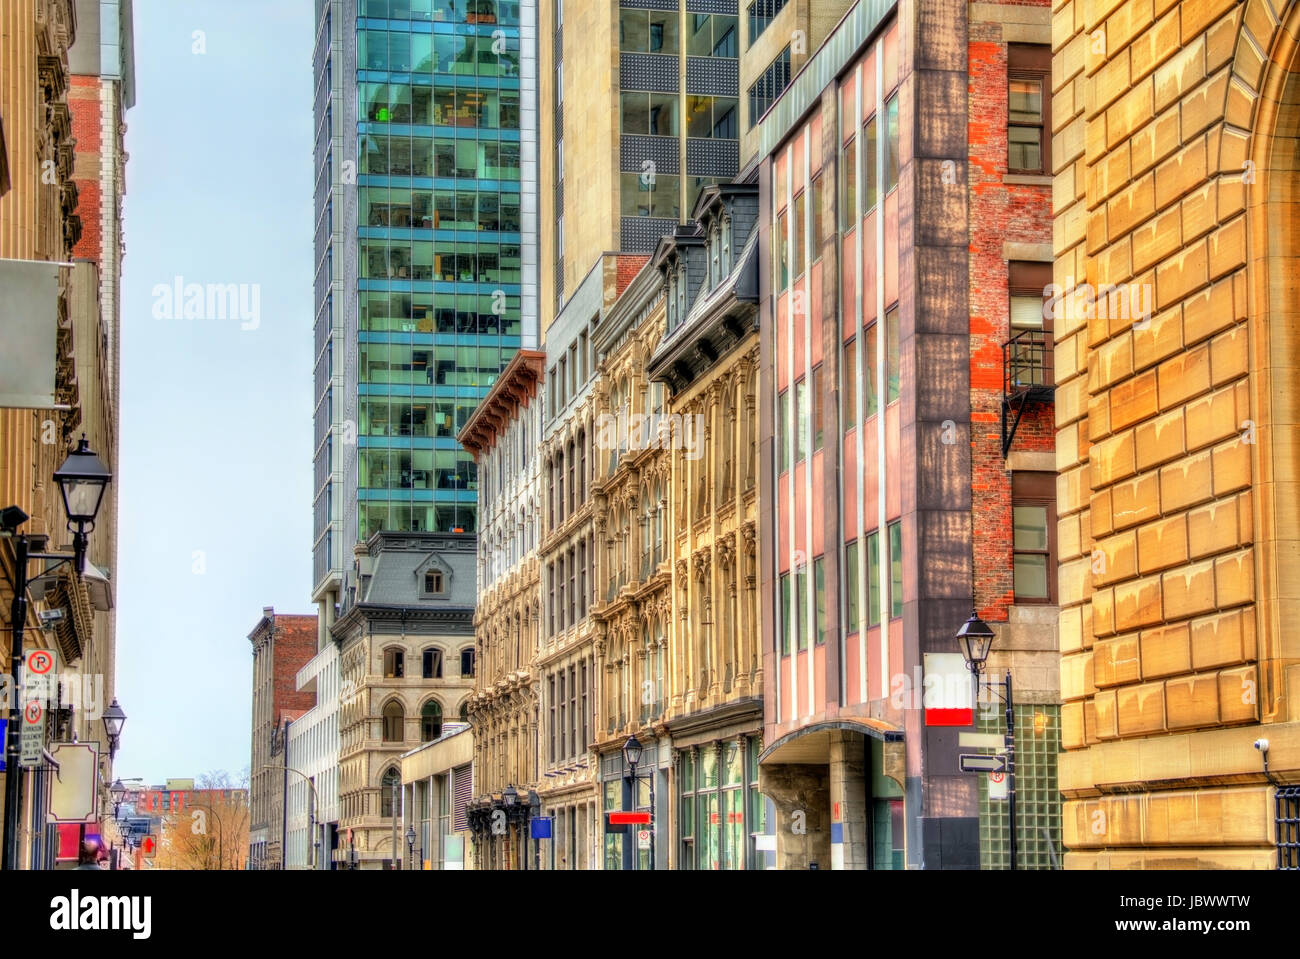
4, 742
541, 827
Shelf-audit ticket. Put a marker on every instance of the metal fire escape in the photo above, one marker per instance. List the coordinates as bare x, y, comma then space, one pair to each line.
1027, 379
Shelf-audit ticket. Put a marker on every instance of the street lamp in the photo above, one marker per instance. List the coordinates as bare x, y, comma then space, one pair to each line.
632, 753
82, 480
976, 639
114, 720
118, 792
410, 844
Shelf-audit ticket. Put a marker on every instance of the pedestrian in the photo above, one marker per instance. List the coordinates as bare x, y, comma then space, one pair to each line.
93, 855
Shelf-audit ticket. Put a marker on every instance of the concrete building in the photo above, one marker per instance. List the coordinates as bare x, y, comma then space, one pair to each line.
426, 256
643, 104
406, 666
437, 786
282, 643
1175, 158
502, 436
707, 275
312, 804
906, 399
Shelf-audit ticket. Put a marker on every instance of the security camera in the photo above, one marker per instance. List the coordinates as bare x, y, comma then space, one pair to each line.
1261, 745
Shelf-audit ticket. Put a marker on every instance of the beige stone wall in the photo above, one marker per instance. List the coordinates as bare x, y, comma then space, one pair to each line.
1176, 492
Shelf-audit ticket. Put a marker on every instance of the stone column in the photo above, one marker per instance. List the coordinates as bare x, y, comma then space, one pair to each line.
848, 791
802, 799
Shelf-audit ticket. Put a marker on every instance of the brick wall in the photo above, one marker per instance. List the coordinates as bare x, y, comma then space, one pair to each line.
295, 643
84, 104
999, 213
629, 265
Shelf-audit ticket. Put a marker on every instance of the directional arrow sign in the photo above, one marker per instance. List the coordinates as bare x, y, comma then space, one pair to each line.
977, 763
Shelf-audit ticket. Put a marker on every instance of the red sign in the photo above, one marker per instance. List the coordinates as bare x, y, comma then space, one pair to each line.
629, 819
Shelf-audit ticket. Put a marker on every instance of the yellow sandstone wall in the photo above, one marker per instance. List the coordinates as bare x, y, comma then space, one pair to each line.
1175, 169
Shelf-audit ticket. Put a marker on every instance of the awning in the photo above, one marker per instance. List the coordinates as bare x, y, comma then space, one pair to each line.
812, 744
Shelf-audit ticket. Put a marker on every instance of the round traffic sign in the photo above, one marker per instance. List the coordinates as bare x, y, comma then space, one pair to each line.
40, 662
997, 777
33, 712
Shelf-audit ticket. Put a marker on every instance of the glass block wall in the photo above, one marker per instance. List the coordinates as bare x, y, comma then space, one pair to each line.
1038, 800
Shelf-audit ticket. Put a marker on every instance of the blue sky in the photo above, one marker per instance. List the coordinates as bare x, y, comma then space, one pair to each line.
216, 430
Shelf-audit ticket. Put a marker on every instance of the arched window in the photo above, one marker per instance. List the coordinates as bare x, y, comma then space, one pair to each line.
467, 661
582, 466
394, 720
432, 664
388, 786
464, 712
394, 663
430, 721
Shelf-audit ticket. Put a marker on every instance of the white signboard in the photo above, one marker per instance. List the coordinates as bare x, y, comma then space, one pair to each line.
29, 316
72, 789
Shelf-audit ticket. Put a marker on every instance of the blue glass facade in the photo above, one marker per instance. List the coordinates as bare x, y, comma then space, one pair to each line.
437, 257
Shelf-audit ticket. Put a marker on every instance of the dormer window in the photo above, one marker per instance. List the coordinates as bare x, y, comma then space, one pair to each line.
670, 297
715, 256
681, 291
725, 230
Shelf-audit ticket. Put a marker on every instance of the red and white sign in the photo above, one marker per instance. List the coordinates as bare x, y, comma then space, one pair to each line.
949, 696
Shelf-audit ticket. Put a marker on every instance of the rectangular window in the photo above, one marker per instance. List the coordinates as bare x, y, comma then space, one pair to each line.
849, 186
891, 143
1030, 351
800, 234
870, 179
869, 398
550, 697
783, 430
851, 587
1033, 509
787, 615
564, 750
761, 14
895, 570
893, 356
818, 408
769, 86
801, 604
849, 390
801, 421
873, 579
1029, 108
818, 237
819, 585
781, 244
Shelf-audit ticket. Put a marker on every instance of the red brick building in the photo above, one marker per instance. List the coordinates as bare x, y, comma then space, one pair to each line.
282, 645
907, 431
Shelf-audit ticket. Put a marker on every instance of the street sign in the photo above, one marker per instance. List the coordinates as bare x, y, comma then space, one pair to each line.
998, 786
540, 828
629, 819
643, 839
977, 763
149, 847
32, 739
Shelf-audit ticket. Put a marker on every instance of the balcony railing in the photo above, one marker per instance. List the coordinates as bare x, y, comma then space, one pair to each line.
1027, 377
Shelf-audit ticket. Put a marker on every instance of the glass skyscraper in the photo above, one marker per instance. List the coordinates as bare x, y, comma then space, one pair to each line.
426, 246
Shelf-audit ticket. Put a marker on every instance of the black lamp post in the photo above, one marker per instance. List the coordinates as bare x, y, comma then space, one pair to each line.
410, 845
82, 480
632, 753
118, 792
976, 638
114, 720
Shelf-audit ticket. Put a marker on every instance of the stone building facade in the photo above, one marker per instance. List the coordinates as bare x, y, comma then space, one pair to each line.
502, 435
1175, 160
633, 569
708, 361
407, 665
